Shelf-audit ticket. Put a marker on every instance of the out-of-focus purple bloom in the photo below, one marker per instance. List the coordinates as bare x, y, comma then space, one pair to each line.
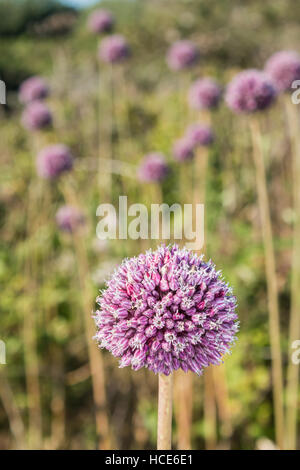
153, 168
101, 21
200, 134
166, 310
183, 149
54, 160
205, 93
34, 88
182, 54
36, 116
283, 67
69, 218
114, 49
250, 91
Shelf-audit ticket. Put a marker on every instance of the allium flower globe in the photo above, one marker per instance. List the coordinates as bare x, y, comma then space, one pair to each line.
182, 54
283, 67
204, 94
183, 149
166, 310
250, 91
69, 218
114, 49
101, 21
34, 88
153, 168
36, 116
54, 160
200, 135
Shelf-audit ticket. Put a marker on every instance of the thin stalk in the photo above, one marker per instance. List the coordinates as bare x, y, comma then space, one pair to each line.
222, 401
184, 408
30, 334
164, 418
58, 398
272, 289
95, 356
294, 327
210, 419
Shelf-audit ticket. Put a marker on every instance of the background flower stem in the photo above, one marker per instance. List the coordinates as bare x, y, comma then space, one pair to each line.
272, 289
294, 327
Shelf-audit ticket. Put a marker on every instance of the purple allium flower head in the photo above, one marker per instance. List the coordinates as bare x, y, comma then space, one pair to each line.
166, 310
250, 91
183, 149
283, 67
36, 116
34, 88
69, 218
153, 168
54, 160
101, 21
200, 134
182, 54
114, 49
205, 93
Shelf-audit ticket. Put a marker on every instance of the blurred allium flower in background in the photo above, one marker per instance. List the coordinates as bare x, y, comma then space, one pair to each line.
34, 88
199, 135
250, 91
183, 149
153, 168
205, 93
166, 310
101, 21
69, 218
54, 160
114, 49
36, 116
283, 67
182, 54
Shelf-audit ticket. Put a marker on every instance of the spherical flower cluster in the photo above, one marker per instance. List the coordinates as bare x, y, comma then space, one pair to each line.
54, 160
182, 54
36, 116
101, 21
34, 88
250, 91
200, 135
183, 149
114, 49
166, 310
69, 218
153, 168
204, 94
283, 67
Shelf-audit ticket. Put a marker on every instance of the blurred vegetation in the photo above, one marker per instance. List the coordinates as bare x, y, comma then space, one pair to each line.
38, 270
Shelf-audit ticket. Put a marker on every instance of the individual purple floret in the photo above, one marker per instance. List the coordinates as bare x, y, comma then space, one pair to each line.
166, 310
36, 116
54, 160
183, 149
114, 49
153, 168
34, 88
200, 135
205, 93
182, 54
101, 21
250, 91
69, 218
283, 67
